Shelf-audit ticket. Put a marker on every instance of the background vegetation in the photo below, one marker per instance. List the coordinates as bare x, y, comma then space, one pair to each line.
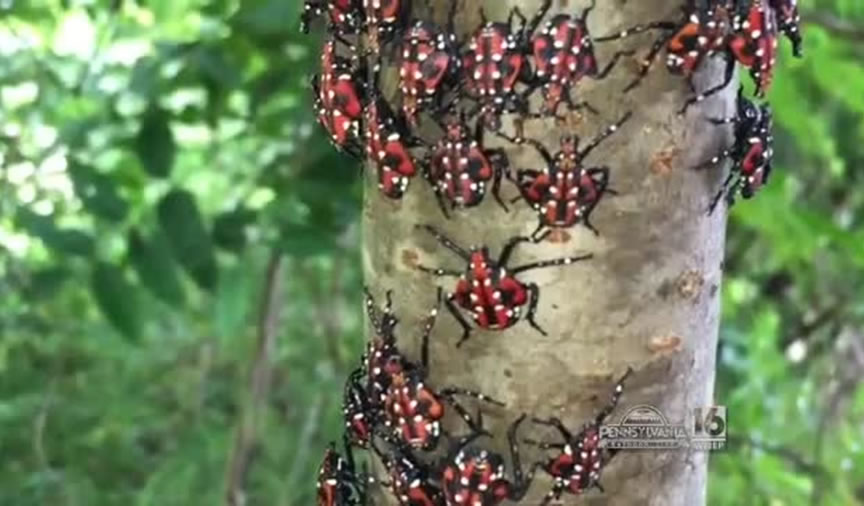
162, 183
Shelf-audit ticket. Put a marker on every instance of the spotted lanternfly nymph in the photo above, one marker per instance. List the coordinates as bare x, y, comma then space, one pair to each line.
496, 60
488, 289
339, 99
361, 414
563, 55
460, 169
751, 153
409, 409
700, 33
338, 483
413, 410
382, 358
411, 480
344, 16
580, 459
384, 20
789, 22
388, 144
564, 192
429, 66
476, 476
754, 43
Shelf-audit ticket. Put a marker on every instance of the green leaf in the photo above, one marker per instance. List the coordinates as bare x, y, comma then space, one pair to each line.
184, 228
155, 144
155, 268
116, 297
98, 193
69, 241
229, 229
305, 241
233, 300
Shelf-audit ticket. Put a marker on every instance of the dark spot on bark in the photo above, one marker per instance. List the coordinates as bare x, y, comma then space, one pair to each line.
409, 258
559, 235
663, 160
713, 290
508, 373
690, 284
665, 289
554, 306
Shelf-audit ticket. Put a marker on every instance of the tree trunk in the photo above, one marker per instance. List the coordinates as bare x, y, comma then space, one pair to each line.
649, 299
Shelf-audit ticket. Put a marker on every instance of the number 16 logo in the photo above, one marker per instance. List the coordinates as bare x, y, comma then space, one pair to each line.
710, 421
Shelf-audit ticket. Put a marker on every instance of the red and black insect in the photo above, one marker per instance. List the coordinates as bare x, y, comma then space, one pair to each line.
338, 483
564, 192
344, 16
496, 61
476, 476
460, 169
366, 386
753, 43
384, 20
751, 154
411, 480
382, 358
789, 22
488, 289
413, 410
701, 32
339, 99
360, 413
429, 66
564, 55
388, 144
397, 395
580, 458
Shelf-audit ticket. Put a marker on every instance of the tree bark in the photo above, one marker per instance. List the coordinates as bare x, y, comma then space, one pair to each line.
649, 299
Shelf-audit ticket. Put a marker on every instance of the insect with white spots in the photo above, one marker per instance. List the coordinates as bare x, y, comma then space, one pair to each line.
789, 22
399, 397
429, 66
343, 16
460, 169
753, 44
579, 460
412, 409
751, 153
338, 483
476, 476
339, 96
384, 19
411, 480
489, 289
388, 144
496, 61
563, 54
564, 192
701, 33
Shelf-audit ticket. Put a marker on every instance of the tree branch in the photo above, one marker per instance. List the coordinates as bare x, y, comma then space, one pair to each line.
245, 439
800, 462
835, 25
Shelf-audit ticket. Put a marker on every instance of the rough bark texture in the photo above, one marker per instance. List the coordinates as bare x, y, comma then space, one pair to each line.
649, 299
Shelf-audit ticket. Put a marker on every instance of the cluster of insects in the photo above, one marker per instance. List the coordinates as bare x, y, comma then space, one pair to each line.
458, 88
461, 85
391, 409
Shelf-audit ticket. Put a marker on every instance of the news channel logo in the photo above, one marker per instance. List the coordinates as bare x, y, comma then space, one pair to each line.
645, 427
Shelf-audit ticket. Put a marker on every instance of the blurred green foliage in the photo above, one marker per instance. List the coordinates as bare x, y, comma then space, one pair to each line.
157, 155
